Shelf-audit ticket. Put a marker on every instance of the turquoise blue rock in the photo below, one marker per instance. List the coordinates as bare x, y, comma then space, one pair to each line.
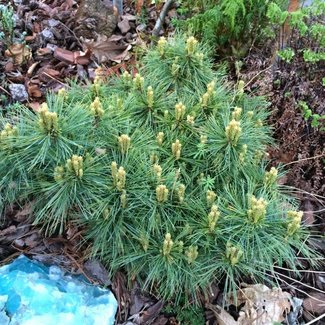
32, 294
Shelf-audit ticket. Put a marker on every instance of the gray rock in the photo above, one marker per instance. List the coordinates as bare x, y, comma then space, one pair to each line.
124, 26
53, 22
51, 46
292, 317
47, 35
18, 92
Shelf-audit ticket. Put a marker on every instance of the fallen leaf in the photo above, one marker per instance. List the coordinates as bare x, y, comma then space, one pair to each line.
316, 303
47, 9
124, 26
261, 305
32, 68
47, 73
151, 313
223, 317
105, 49
19, 243
34, 91
67, 4
96, 270
19, 53
35, 106
51, 72
24, 212
10, 230
33, 240
115, 38
9, 66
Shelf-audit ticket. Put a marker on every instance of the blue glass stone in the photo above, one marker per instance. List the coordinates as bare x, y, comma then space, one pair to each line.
32, 293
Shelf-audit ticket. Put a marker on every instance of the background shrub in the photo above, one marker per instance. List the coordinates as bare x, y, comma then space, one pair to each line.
233, 27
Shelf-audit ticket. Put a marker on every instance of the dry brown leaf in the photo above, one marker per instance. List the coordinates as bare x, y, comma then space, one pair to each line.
105, 49
19, 53
262, 306
34, 90
124, 26
33, 240
223, 317
9, 66
315, 304
32, 68
35, 106
22, 214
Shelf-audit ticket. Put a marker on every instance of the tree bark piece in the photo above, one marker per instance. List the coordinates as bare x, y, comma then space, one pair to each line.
96, 17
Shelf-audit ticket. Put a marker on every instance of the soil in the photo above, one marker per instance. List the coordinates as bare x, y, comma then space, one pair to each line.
300, 147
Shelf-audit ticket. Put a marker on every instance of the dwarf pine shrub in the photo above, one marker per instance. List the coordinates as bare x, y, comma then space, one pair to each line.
166, 170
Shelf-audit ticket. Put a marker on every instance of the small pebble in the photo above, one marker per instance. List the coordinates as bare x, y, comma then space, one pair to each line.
18, 92
53, 22
47, 35
141, 27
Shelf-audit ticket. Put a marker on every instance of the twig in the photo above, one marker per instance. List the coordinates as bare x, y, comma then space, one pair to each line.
316, 319
269, 67
161, 18
316, 197
57, 80
297, 281
4, 90
72, 32
300, 271
292, 286
304, 159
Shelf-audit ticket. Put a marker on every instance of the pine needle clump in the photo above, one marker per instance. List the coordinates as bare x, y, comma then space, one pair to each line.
166, 170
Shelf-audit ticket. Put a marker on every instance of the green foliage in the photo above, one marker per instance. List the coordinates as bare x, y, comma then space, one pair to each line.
309, 32
165, 169
316, 119
189, 315
312, 56
287, 54
233, 9
234, 25
276, 14
7, 24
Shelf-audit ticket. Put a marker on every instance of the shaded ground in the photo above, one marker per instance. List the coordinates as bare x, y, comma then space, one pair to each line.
300, 146
50, 26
